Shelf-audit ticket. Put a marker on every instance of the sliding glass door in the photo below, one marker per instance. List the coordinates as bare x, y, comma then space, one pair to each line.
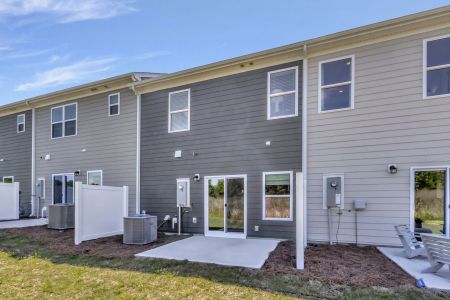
63, 188
225, 206
430, 200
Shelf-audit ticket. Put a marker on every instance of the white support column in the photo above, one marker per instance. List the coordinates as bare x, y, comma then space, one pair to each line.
299, 244
138, 155
305, 143
78, 210
34, 204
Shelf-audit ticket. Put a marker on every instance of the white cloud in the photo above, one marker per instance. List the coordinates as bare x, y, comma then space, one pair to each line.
66, 11
150, 55
82, 70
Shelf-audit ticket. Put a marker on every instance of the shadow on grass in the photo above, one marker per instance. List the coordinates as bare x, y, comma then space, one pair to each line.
20, 247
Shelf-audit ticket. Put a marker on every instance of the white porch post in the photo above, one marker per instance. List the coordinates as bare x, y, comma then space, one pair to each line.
299, 244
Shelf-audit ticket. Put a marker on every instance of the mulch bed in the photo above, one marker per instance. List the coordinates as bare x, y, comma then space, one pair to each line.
62, 242
347, 265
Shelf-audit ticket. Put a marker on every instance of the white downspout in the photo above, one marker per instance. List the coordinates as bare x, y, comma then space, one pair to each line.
305, 143
34, 207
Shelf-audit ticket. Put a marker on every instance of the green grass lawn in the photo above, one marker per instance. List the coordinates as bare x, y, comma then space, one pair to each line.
28, 271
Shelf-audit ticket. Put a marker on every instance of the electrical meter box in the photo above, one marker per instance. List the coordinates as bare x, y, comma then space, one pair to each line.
334, 192
183, 190
40, 188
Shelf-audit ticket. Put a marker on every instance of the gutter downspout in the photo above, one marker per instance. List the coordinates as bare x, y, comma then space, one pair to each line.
138, 148
305, 143
34, 205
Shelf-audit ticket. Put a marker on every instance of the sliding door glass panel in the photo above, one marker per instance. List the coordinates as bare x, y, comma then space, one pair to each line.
69, 186
58, 189
216, 204
429, 201
235, 205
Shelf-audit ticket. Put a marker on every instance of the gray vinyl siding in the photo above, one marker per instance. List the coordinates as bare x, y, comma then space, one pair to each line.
229, 129
391, 123
110, 144
15, 149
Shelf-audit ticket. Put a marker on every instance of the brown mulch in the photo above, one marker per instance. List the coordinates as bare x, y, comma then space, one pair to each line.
62, 242
339, 265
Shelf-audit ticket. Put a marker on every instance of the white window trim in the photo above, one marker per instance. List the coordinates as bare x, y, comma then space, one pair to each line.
19, 123
188, 110
53, 185
425, 68
291, 195
8, 177
269, 95
412, 199
351, 82
63, 121
118, 104
95, 171
324, 190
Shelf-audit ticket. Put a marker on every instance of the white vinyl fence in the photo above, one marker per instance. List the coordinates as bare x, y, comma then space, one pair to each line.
9, 201
99, 211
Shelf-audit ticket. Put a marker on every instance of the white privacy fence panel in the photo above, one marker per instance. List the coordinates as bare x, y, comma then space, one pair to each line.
99, 211
9, 201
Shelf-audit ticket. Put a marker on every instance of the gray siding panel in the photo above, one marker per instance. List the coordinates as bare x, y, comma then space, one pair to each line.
110, 144
15, 149
229, 128
391, 123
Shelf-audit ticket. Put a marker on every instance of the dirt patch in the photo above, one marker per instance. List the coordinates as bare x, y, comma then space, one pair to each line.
346, 265
62, 242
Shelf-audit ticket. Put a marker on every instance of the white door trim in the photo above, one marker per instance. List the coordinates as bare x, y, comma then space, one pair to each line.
205, 191
446, 168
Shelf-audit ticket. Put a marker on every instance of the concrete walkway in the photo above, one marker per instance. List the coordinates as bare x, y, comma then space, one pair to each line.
249, 253
23, 223
415, 266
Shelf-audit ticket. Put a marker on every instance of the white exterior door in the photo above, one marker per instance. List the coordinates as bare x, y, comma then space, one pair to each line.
226, 206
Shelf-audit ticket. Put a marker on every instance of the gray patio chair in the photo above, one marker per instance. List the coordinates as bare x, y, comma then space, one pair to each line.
438, 250
411, 246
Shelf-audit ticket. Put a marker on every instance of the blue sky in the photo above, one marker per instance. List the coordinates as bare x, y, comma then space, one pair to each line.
47, 45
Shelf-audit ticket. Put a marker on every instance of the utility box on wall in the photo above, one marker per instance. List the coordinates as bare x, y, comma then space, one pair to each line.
183, 192
333, 191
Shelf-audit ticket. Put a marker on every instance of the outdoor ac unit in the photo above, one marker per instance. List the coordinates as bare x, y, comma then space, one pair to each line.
61, 216
140, 229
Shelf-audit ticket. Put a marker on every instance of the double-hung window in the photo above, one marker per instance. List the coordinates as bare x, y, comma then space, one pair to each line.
436, 67
8, 179
282, 90
64, 120
179, 110
114, 104
277, 195
336, 84
95, 177
20, 123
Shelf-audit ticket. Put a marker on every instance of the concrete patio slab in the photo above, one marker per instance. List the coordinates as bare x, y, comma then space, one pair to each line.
23, 223
415, 266
249, 253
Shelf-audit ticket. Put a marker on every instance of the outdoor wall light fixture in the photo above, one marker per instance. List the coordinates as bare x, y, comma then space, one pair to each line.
2, 159
392, 168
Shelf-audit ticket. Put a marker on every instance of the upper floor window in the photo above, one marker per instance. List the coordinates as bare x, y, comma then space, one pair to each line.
64, 120
282, 100
114, 104
336, 84
179, 110
21, 123
437, 67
